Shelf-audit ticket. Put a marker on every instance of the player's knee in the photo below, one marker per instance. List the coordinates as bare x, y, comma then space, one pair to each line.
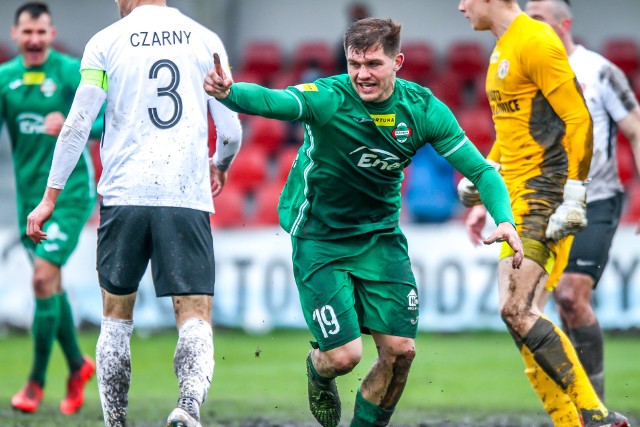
511, 313
43, 285
344, 362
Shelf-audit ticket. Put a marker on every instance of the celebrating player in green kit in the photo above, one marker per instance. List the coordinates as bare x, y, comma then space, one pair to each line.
341, 205
36, 91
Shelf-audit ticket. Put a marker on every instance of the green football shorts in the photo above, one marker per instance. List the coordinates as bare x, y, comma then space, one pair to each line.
356, 284
63, 229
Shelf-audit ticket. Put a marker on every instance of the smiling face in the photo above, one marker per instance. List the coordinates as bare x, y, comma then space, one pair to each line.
372, 72
33, 36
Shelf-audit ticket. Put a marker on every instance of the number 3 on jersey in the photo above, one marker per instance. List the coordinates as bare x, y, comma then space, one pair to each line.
326, 317
169, 91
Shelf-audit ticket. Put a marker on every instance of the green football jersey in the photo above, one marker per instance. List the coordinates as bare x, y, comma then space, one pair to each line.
27, 95
349, 171
348, 174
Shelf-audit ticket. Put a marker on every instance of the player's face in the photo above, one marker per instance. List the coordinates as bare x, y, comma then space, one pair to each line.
477, 13
543, 11
33, 37
373, 73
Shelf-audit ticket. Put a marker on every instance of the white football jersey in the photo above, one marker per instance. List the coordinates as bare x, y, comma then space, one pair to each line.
609, 99
155, 150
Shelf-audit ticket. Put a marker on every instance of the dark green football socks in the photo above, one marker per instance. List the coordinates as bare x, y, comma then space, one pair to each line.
46, 321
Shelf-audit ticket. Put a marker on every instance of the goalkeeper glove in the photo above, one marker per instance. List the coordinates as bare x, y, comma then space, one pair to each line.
571, 216
468, 193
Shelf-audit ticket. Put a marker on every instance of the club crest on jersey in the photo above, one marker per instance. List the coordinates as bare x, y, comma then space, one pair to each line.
402, 132
48, 87
503, 68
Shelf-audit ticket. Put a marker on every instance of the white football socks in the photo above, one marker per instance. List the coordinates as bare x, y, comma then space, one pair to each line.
193, 364
113, 363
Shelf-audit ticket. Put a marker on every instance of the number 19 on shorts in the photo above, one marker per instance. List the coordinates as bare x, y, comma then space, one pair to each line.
326, 318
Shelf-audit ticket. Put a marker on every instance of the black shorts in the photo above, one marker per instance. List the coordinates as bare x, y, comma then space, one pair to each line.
178, 242
590, 250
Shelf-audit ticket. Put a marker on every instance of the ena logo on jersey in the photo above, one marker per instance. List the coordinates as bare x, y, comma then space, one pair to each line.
30, 123
376, 158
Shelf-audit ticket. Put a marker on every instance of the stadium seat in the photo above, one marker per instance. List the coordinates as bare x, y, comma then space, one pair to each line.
284, 162
265, 210
262, 58
478, 126
268, 134
249, 169
635, 84
284, 79
230, 207
448, 88
468, 59
314, 58
624, 52
631, 214
626, 160
419, 62
5, 53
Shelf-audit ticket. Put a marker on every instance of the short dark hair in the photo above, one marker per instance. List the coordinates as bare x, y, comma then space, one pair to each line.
33, 8
369, 32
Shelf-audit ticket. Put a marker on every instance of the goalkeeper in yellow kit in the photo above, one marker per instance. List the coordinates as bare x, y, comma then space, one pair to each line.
543, 150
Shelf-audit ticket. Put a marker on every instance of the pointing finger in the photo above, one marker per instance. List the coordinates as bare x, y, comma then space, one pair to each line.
218, 66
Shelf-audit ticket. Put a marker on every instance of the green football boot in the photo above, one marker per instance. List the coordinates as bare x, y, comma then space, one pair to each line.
324, 401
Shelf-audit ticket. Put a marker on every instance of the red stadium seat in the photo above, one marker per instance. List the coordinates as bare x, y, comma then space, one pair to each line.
284, 79
263, 59
467, 59
267, 134
249, 169
229, 208
266, 205
316, 55
448, 88
5, 53
631, 213
419, 62
284, 162
626, 160
635, 84
478, 126
624, 52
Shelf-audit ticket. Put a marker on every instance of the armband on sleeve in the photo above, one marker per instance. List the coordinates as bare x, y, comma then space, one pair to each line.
93, 77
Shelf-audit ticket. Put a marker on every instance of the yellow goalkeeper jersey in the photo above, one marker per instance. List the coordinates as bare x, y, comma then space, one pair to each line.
539, 142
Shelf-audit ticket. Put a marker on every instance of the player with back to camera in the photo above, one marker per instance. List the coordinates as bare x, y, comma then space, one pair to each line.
341, 206
543, 149
36, 92
156, 186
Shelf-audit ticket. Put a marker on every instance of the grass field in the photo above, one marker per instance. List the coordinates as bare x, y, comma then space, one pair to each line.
463, 379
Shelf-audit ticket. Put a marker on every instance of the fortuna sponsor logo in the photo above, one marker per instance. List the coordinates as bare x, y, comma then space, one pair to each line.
30, 123
384, 119
376, 158
402, 132
160, 38
412, 300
